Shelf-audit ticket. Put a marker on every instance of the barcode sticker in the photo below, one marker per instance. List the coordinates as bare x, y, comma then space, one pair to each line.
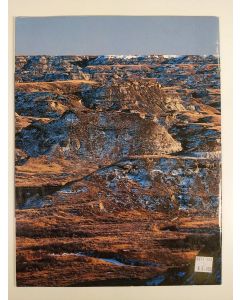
203, 264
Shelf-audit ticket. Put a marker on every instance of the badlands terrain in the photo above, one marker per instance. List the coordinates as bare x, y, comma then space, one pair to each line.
118, 170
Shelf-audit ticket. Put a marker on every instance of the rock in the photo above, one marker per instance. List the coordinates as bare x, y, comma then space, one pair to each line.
118, 169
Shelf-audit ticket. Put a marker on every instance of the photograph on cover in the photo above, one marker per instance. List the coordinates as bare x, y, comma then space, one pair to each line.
117, 151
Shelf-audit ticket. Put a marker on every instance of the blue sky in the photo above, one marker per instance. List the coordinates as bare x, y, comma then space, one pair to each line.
97, 35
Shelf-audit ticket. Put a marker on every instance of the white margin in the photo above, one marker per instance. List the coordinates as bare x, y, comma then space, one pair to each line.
4, 148
236, 150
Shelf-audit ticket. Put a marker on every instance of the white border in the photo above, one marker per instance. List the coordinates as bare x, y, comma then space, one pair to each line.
4, 149
236, 152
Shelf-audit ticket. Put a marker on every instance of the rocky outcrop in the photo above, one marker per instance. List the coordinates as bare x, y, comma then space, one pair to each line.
50, 68
118, 169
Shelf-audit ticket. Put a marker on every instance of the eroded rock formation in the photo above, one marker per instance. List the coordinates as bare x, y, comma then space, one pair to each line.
118, 164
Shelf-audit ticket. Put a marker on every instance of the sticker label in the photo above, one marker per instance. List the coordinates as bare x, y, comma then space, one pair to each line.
203, 264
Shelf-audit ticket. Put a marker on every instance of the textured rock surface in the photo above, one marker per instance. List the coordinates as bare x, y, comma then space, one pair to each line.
118, 164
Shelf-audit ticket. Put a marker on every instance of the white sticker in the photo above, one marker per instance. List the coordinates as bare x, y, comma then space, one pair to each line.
203, 264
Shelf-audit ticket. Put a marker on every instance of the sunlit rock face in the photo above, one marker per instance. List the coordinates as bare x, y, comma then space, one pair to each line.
118, 169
